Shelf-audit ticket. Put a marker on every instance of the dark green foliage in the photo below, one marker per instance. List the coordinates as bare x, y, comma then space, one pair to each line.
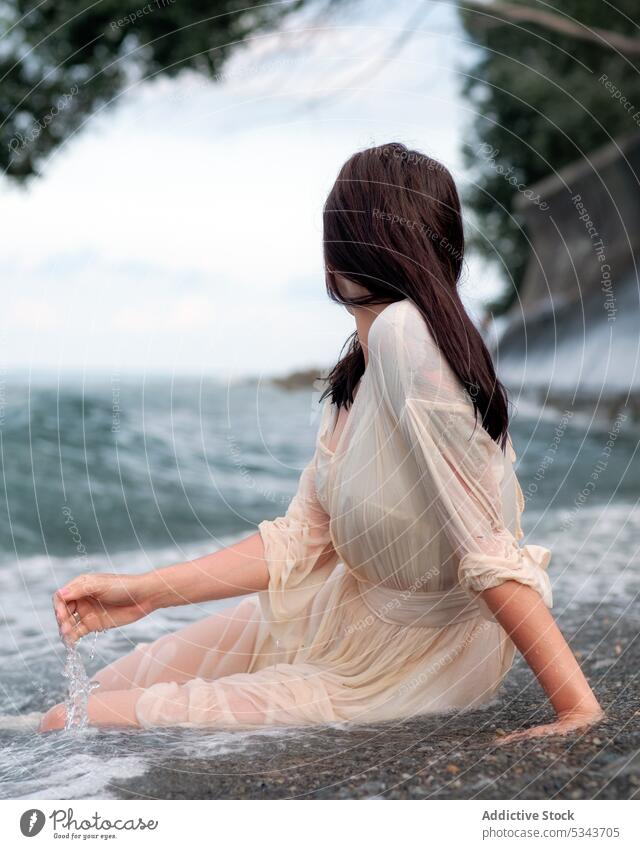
61, 60
540, 103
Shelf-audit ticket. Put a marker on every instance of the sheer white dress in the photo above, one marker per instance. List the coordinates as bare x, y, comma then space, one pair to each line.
415, 512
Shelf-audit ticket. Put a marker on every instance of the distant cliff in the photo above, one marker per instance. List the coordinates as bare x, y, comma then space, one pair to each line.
300, 379
573, 339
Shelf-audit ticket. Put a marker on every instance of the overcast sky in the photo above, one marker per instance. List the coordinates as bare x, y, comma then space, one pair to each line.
180, 231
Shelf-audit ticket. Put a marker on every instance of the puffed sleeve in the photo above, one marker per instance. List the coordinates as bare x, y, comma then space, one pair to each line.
300, 556
461, 467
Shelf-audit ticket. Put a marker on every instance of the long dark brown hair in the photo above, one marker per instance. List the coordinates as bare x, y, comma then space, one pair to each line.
393, 224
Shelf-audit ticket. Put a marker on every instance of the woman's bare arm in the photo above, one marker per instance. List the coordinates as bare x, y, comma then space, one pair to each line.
233, 571
97, 601
529, 623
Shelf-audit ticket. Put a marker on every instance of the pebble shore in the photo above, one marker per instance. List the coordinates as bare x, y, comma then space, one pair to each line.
452, 756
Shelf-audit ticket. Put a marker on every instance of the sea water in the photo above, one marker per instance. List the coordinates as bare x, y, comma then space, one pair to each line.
80, 687
120, 475
177, 469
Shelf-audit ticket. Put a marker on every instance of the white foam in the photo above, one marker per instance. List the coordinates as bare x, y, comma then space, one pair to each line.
83, 776
21, 722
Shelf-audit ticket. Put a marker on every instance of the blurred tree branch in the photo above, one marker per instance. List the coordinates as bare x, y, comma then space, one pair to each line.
498, 12
540, 102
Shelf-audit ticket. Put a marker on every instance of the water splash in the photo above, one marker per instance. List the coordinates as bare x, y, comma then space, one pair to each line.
80, 688
93, 645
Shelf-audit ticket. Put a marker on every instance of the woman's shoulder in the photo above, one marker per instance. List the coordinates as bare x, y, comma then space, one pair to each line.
400, 334
399, 318
403, 351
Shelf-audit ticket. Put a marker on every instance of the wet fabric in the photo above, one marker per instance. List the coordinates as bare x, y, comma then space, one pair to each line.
373, 610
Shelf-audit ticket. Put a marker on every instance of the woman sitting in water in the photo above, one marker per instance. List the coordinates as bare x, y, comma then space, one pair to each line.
395, 584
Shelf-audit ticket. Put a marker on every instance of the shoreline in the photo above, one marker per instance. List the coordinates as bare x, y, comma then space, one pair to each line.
445, 756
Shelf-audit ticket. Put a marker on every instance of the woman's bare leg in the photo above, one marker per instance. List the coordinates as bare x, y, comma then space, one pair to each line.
118, 708
214, 647
218, 645
115, 708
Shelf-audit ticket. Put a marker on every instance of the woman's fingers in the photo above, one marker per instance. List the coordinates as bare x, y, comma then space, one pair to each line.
63, 610
76, 632
73, 603
77, 627
58, 608
558, 728
90, 615
83, 585
78, 619
59, 605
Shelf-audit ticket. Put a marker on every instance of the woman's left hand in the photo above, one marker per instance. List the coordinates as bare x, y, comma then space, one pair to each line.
563, 725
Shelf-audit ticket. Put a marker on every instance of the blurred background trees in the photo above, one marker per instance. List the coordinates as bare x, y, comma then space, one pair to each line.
539, 105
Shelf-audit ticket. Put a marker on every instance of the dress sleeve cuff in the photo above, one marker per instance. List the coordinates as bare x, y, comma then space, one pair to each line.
292, 556
479, 572
286, 551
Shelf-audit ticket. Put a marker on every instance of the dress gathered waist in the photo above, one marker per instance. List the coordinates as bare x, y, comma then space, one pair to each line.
418, 608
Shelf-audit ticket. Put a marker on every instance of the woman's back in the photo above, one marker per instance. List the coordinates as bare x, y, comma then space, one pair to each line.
381, 504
